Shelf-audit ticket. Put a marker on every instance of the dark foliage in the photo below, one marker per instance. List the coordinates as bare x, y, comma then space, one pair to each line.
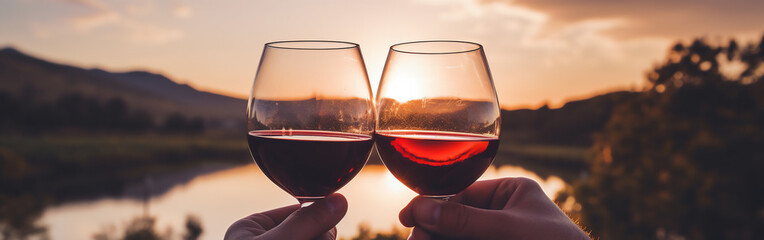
33, 92
365, 233
193, 228
144, 228
176, 122
571, 125
19, 209
684, 159
75, 111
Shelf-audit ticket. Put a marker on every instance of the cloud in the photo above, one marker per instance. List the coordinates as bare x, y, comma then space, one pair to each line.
522, 27
146, 33
127, 22
40, 30
531, 52
655, 18
182, 11
492, 21
140, 7
578, 41
88, 22
94, 4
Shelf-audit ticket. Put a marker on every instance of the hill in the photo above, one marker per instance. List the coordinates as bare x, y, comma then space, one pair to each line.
570, 125
208, 103
537, 139
555, 141
34, 80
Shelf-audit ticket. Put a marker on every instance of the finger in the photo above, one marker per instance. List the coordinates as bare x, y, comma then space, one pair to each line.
498, 193
482, 194
405, 215
333, 233
457, 220
279, 214
256, 224
311, 221
330, 235
419, 234
531, 192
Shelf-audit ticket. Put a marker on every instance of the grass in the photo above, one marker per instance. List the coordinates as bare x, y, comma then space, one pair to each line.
86, 149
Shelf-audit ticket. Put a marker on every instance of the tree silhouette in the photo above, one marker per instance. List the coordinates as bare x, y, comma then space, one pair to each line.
193, 228
83, 113
684, 158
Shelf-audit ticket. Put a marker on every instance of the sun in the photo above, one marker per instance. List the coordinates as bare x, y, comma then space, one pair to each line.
405, 85
406, 93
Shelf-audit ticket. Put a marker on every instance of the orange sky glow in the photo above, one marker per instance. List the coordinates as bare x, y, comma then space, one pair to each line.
539, 51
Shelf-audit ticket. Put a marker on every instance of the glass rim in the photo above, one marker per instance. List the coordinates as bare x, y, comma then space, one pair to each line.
344, 45
476, 47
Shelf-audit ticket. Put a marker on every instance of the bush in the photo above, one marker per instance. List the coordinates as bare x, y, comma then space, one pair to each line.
684, 159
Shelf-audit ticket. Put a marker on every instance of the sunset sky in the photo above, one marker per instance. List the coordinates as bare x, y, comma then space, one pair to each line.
538, 50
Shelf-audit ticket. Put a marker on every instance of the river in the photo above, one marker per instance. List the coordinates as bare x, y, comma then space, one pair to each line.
221, 197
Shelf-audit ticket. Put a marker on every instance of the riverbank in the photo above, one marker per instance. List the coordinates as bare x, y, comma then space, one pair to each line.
39, 172
77, 167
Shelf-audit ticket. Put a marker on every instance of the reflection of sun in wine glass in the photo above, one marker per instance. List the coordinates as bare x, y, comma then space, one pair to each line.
408, 90
425, 90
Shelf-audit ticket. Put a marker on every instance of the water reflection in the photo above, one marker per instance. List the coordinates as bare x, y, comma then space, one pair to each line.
222, 197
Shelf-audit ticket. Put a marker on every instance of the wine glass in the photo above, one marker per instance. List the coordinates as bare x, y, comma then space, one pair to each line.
438, 116
310, 116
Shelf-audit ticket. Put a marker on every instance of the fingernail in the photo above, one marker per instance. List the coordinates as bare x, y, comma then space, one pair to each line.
431, 212
418, 234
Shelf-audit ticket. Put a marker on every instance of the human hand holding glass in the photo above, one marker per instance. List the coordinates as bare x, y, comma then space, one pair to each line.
506, 208
316, 221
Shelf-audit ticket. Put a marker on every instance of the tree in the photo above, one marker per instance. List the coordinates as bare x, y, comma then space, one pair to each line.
365, 233
142, 228
685, 158
177, 122
193, 228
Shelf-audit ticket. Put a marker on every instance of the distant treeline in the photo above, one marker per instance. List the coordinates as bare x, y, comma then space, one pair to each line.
571, 125
74, 111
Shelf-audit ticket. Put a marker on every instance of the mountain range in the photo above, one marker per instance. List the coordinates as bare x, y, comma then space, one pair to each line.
36, 79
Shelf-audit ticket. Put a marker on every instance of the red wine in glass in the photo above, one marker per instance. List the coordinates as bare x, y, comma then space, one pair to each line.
309, 164
434, 163
310, 116
438, 116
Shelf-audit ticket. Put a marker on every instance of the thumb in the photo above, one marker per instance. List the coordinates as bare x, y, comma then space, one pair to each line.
311, 221
330, 235
456, 220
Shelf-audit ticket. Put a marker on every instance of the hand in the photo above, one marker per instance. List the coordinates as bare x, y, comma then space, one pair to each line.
316, 221
507, 208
